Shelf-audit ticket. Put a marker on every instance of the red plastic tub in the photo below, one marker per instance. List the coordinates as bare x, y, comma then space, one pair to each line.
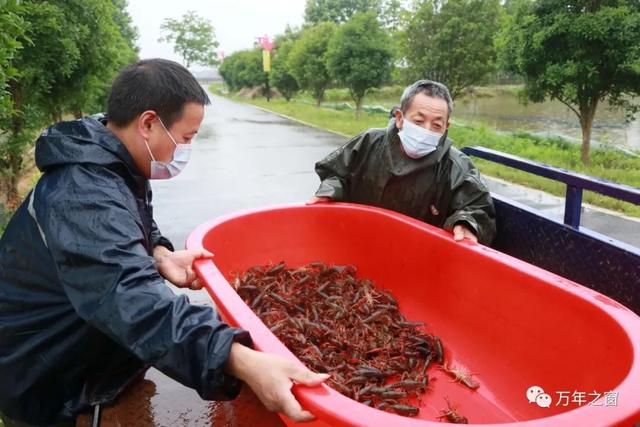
510, 323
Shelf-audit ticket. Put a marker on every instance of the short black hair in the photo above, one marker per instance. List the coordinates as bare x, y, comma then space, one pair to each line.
153, 84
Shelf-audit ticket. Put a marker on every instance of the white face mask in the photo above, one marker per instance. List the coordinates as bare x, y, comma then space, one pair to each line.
417, 141
181, 155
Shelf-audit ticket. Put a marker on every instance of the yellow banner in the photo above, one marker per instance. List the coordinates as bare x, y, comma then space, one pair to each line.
266, 61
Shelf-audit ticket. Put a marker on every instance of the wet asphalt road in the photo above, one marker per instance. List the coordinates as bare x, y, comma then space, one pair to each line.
243, 157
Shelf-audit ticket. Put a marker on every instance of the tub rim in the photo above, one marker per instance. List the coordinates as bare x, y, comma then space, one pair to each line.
333, 405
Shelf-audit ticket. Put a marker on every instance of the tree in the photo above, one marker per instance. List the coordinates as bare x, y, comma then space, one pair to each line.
281, 77
127, 54
511, 6
85, 89
125, 24
307, 59
394, 18
12, 31
453, 42
193, 38
392, 14
359, 56
243, 69
338, 11
47, 56
579, 52
11, 38
68, 53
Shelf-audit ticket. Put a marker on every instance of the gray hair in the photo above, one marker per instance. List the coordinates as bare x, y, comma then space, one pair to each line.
429, 88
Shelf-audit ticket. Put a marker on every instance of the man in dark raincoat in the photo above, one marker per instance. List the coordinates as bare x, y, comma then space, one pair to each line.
84, 307
411, 168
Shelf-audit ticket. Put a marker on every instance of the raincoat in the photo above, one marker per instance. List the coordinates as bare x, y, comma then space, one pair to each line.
443, 188
83, 308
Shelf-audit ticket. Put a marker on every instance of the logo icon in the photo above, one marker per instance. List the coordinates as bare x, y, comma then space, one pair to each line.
543, 400
535, 394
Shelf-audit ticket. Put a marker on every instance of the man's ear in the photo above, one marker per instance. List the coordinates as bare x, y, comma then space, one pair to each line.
145, 121
399, 119
448, 123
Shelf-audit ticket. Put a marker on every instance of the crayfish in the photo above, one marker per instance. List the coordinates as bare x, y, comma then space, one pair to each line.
335, 322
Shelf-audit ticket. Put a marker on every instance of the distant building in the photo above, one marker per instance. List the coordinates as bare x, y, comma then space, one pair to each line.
207, 75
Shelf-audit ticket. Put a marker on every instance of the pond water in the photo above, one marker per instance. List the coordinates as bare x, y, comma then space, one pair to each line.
504, 112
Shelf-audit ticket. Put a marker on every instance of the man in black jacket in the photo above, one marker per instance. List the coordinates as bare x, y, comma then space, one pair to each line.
411, 168
84, 308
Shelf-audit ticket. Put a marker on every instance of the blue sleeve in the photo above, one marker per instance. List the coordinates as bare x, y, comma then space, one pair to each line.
113, 284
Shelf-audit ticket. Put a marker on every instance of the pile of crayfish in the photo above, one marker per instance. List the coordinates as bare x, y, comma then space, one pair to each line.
337, 323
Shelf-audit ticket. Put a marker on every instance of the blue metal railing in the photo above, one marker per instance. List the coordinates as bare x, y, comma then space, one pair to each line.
576, 182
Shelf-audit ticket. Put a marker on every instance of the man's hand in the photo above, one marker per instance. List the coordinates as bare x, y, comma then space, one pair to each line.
271, 378
315, 200
462, 232
176, 266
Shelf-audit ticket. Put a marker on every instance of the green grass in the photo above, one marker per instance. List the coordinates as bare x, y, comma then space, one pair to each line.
388, 96
605, 163
334, 120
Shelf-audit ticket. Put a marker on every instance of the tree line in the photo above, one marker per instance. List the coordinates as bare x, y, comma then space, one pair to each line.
56, 59
583, 53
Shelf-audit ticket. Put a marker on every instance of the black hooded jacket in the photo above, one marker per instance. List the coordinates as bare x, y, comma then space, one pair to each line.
83, 309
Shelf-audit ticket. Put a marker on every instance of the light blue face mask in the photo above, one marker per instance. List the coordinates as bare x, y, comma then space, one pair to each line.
181, 156
417, 141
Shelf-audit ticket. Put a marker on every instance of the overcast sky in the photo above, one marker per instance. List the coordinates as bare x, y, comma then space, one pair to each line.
236, 22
